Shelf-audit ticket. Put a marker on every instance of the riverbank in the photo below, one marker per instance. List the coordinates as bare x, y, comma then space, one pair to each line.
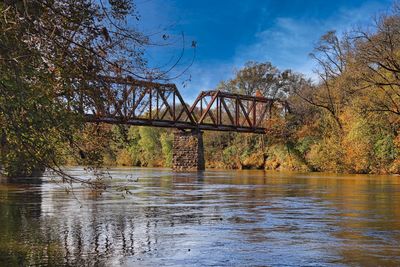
304, 150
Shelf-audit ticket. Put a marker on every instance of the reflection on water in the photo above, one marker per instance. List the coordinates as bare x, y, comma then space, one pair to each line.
210, 218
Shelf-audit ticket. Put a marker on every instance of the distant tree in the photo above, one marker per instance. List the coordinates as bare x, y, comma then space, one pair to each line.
133, 145
151, 153
263, 78
166, 140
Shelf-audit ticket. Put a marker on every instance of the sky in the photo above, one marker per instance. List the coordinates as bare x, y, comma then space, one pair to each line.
230, 33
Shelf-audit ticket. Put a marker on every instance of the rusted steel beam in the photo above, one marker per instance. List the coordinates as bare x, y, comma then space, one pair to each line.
150, 100
193, 107
208, 109
220, 111
165, 100
136, 104
188, 113
251, 109
173, 124
131, 81
227, 110
237, 111
254, 108
217, 110
173, 106
157, 105
198, 98
245, 113
262, 116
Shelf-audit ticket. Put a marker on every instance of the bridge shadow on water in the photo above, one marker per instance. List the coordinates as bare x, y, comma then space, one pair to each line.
206, 218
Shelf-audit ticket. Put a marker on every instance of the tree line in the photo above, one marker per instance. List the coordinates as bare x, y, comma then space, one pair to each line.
52, 51
347, 121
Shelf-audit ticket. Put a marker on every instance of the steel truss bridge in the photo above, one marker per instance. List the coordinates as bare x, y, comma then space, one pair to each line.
136, 102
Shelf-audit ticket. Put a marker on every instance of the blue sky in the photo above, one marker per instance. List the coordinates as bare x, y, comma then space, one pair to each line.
230, 33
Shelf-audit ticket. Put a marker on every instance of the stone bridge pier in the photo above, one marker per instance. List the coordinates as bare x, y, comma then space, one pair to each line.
188, 151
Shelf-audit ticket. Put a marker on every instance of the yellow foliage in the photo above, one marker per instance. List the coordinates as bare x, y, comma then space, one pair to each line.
124, 158
255, 160
280, 158
356, 142
356, 155
327, 155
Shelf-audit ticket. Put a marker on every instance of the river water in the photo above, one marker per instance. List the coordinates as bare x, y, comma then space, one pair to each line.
214, 218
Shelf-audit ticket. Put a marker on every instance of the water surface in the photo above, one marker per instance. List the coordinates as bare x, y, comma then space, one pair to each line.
214, 218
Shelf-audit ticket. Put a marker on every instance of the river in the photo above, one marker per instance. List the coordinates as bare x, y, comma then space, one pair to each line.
214, 218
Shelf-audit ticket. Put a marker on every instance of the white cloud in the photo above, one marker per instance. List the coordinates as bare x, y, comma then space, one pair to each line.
206, 76
286, 45
289, 41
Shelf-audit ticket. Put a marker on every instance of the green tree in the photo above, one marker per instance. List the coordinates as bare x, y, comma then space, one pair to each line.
134, 146
150, 147
166, 140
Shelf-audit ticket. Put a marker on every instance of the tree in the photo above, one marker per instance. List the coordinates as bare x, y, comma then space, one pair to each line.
51, 56
336, 83
378, 62
257, 79
150, 146
263, 78
166, 140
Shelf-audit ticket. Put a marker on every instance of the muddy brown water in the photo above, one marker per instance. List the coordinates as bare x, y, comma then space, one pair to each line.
214, 218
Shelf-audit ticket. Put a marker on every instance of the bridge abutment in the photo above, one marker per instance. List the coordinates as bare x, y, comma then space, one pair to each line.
188, 151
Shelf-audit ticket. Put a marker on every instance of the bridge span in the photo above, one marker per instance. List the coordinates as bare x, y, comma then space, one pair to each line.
143, 103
